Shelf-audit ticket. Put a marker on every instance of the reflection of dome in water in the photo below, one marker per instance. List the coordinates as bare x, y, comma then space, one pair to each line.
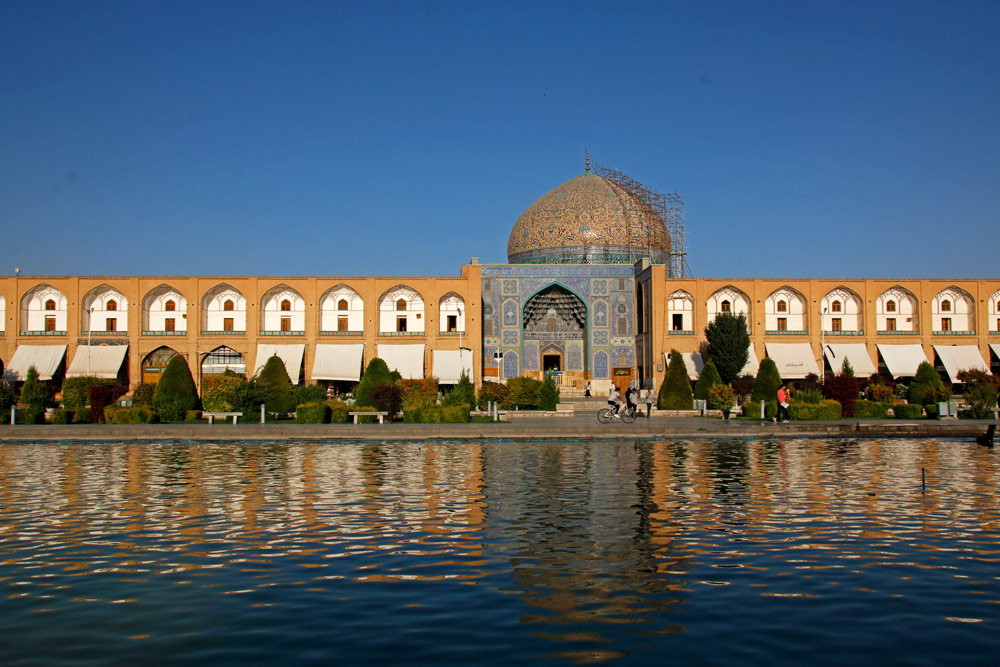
588, 220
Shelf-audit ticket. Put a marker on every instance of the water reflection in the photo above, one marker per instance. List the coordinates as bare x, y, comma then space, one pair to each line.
579, 551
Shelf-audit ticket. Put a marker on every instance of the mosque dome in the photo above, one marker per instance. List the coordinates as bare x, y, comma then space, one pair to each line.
589, 220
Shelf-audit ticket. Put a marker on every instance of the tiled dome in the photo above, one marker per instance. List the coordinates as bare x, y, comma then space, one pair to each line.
588, 220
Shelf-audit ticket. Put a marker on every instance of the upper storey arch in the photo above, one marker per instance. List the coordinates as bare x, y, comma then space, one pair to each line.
993, 308
896, 310
729, 299
224, 309
401, 311
282, 310
342, 309
680, 311
164, 310
841, 311
451, 313
785, 310
44, 310
105, 309
953, 311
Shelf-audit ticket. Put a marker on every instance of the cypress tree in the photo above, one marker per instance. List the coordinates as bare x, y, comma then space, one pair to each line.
728, 344
462, 394
709, 378
35, 394
768, 381
377, 373
548, 395
926, 387
675, 392
175, 392
275, 386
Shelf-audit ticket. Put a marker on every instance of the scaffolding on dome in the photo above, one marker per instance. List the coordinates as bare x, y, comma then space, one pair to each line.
667, 207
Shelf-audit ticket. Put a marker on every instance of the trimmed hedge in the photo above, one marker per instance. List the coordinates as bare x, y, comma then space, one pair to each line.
312, 413
82, 416
824, 410
62, 416
437, 414
871, 410
192, 415
114, 414
752, 409
908, 411
75, 390
338, 411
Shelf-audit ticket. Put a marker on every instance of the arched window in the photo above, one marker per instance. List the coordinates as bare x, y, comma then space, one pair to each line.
228, 305
342, 304
286, 304
890, 306
50, 305
946, 306
782, 306
726, 307
401, 304
836, 307
112, 305
170, 305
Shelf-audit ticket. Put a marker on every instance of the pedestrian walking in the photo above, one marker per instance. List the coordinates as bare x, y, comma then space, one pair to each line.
784, 398
649, 402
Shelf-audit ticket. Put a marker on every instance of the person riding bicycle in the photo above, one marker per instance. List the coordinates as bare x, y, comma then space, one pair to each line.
613, 397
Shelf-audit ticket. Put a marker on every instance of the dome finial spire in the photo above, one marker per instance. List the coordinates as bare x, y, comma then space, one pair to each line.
587, 153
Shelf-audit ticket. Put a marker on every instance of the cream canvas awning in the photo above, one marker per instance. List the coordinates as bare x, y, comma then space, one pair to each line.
855, 353
448, 365
290, 355
902, 360
408, 359
960, 358
692, 362
338, 362
105, 361
794, 360
45, 359
752, 365
996, 349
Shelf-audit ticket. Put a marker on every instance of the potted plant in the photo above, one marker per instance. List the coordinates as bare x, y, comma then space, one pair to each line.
721, 397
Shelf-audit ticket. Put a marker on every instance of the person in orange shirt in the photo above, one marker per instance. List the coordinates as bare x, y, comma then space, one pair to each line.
784, 398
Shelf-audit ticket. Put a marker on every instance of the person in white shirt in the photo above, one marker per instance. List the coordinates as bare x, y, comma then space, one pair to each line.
613, 397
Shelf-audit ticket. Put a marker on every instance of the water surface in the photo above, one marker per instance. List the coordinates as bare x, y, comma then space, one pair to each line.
821, 551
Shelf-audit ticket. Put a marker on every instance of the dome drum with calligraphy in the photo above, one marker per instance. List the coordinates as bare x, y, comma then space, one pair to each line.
589, 220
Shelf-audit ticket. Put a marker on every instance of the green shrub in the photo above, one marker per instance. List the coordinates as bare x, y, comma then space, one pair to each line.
812, 396
980, 392
82, 416
767, 382
908, 411
932, 411
7, 398
721, 397
871, 410
377, 373
175, 392
75, 390
143, 394
275, 387
752, 409
709, 378
224, 392
32, 414
338, 411
34, 392
926, 386
548, 394
309, 393
62, 416
465, 394
879, 393
491, 392
675, 392
192, 415
432, 415
824, 410
133, 415
455, 414
523, 393
425, 388
312, 413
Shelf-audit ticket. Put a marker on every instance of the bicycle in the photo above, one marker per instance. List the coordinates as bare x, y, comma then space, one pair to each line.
606, 415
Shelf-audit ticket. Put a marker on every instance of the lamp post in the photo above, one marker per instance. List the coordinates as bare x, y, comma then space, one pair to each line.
90, 325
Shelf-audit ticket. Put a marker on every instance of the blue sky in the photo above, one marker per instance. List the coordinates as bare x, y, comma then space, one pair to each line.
809, 139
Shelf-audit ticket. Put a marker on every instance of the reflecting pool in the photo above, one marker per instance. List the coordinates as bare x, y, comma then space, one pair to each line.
768, 551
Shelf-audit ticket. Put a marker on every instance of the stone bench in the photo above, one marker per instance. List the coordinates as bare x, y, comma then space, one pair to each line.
212, 415
381, 415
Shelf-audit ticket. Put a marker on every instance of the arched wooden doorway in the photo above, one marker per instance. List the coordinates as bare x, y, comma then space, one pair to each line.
155, 362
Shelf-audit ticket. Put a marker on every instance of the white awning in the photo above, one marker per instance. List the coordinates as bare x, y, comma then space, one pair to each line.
448, 365
290, 355
996, 349
960, 358
794, 360
752, 365
902, 360
105, 361
692, 362
45, 359
407, 359
855, 353
338, 362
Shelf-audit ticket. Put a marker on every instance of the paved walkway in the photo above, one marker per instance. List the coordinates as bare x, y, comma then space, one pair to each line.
579, 426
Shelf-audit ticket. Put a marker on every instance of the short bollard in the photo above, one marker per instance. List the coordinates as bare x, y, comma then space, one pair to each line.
261, 413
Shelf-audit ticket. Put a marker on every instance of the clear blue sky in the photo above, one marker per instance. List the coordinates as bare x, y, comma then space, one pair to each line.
809, 139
